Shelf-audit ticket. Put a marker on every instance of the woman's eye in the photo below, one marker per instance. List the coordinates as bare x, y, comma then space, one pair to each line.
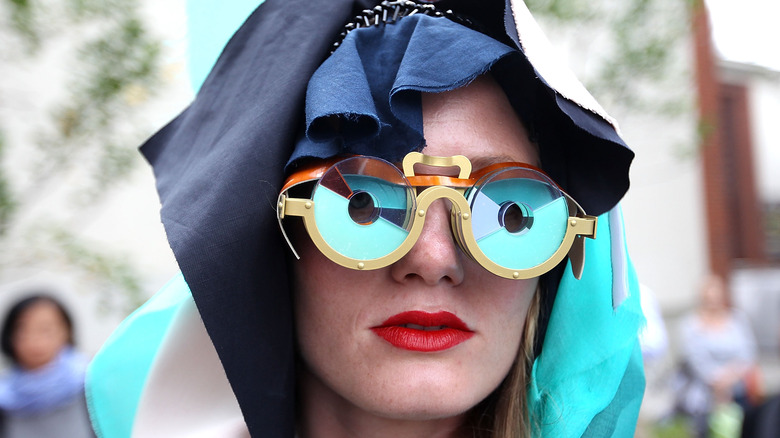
514, 217
362, 208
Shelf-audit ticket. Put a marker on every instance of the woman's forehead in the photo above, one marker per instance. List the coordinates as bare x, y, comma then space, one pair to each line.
477, 121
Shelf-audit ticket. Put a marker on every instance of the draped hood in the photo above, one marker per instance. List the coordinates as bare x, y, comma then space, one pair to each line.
220, 164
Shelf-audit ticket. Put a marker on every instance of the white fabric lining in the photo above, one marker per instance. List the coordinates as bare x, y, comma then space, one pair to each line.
187, 393
551, 67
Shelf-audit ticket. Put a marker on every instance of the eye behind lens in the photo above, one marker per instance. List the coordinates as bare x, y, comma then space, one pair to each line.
515, 218
363, 208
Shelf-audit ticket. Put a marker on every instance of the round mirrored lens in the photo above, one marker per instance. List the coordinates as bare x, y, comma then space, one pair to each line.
362, 207
519, 217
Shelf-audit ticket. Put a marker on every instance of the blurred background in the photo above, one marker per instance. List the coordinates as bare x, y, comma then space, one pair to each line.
694, 85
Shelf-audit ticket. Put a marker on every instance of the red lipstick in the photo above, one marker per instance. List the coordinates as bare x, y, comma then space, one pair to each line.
423, 331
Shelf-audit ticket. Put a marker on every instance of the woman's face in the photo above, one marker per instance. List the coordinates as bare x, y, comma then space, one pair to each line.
40, 333
358, 356
713, 295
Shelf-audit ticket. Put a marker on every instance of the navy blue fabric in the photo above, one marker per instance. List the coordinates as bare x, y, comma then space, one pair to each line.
219, 167
364, 99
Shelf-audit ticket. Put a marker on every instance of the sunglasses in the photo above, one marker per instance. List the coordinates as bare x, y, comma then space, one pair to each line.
365, 213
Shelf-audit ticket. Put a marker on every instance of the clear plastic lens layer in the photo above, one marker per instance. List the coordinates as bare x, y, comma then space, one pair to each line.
518, 217
362, 208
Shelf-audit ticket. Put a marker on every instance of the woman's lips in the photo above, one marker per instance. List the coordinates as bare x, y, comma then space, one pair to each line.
423, 331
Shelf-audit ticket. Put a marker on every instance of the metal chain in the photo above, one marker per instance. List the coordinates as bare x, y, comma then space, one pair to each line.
389, 12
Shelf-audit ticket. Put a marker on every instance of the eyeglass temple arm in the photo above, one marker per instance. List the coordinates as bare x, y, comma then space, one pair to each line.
587, 226
292, 207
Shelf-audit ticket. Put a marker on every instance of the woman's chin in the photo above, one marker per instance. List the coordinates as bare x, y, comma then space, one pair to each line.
430, 411
424, 403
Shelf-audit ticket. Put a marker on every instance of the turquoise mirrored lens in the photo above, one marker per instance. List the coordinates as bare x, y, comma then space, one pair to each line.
519, 217
362, 207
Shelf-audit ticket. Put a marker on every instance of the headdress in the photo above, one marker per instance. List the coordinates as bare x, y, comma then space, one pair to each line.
220, 165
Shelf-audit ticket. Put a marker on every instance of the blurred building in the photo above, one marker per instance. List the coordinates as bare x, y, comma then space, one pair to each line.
739, 101
705, 184
747, 250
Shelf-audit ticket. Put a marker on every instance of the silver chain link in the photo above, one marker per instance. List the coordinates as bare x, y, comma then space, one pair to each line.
389, 12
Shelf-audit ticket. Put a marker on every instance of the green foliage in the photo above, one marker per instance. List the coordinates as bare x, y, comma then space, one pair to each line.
674, 427
112, 68
23, 21
771, 215
117, 70
7, 203
86, 9
111, 72
644, 47
568, 11
105, 271
643, 35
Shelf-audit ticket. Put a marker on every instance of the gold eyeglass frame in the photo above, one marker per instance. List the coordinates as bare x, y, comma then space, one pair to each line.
579, 224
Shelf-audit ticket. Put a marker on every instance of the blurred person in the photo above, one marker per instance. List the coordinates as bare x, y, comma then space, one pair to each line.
718, 358
763, 420
43, 393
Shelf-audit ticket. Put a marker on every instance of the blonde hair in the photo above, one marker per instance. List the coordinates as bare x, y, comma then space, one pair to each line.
504, 414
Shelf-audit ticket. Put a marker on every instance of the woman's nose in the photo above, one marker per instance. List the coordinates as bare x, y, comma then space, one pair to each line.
435, 257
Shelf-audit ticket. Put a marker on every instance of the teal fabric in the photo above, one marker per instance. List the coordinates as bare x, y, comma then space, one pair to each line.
619, 418
210, 28
114, 383
588, 380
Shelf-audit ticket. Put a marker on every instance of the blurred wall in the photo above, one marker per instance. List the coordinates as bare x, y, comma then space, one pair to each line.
127, 219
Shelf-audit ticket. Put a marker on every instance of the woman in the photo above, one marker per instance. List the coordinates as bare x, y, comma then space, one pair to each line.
422, 330
718, 355
43, 394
